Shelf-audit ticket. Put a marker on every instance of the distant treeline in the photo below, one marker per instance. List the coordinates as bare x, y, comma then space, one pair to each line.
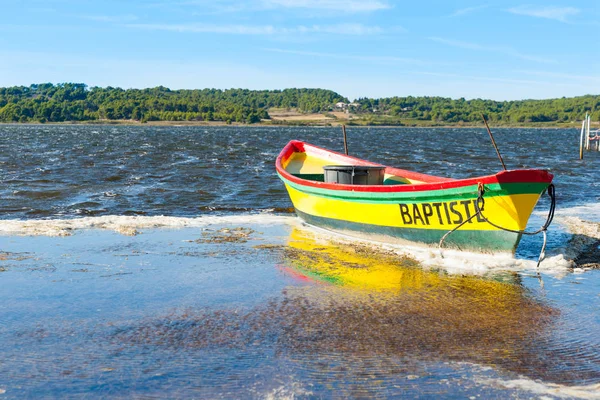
76, 102
442, 109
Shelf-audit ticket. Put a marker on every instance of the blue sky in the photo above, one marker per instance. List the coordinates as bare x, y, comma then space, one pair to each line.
360, 48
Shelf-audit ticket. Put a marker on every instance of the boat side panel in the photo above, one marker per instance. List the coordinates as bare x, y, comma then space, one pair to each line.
474, 240
444, 212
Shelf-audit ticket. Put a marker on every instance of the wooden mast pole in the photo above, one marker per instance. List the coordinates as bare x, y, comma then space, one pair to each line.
493, 141
345, 139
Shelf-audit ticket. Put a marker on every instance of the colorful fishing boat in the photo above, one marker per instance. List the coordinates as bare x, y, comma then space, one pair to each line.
360, 198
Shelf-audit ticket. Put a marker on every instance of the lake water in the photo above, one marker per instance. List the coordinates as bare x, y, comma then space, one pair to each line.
167, 262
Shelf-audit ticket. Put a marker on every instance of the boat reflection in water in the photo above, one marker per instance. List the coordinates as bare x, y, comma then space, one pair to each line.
377, 303
357, 265
364, 322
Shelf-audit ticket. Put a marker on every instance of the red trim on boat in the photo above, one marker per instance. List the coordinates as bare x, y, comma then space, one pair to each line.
431, 182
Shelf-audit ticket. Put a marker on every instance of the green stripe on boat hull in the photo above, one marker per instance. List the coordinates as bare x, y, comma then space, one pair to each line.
481, 241
458, 193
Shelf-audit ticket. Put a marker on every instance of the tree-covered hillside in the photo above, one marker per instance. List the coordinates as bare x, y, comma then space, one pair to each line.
76, 102
447, 110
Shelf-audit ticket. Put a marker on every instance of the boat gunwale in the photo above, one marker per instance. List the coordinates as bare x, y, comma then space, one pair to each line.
430, 182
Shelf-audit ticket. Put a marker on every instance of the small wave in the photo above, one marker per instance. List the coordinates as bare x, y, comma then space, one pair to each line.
590, 212
187, 160
278, 210
583, 245
549, 389
129, 225
458, 261
113, 178
290, 390
558, 262
39, 195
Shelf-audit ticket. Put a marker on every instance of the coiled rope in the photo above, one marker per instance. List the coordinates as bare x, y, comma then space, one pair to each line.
480, 205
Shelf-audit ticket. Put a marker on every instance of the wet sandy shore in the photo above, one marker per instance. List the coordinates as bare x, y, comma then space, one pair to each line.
277, 310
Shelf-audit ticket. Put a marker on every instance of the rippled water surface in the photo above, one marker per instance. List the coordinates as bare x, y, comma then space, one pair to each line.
184, 171
164, 262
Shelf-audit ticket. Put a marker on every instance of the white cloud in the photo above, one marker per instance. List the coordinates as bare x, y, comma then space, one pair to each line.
494, 49
339, 29
110, 18
212, 7
457, 43
468, 10
338, 5
208, 28
556, 13
236, 6
371, 59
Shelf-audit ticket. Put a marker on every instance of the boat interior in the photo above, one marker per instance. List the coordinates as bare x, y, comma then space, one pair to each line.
309, 163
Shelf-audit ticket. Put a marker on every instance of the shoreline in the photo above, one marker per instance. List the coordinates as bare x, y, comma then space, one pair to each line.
285, 124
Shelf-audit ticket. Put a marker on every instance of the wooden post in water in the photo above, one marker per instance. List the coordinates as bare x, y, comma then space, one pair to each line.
345, 139
587, 132
581, 140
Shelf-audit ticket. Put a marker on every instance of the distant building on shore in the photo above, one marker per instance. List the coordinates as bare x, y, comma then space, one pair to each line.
345, 106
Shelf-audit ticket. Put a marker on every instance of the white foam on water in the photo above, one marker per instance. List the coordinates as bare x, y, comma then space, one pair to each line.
589, 212
578, 225
557, 262
130, 225
288, 391
552, 390
584, 235
580, 234
458, 261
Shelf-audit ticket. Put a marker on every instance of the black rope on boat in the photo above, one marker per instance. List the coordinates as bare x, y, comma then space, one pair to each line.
551, 193
480, 204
